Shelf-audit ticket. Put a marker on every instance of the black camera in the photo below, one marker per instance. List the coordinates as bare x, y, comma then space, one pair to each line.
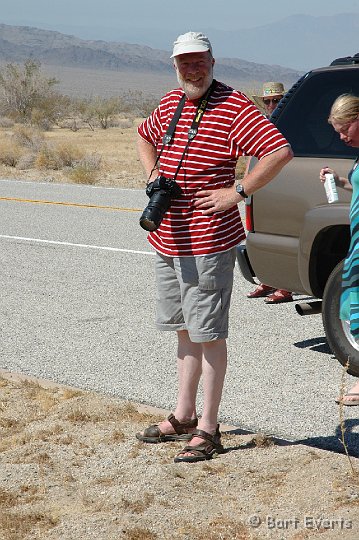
160, 192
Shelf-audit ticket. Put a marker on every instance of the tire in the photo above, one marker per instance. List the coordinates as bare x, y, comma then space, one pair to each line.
337, 332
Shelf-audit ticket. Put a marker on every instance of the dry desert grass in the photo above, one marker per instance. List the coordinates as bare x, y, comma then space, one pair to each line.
109, 156
72, 469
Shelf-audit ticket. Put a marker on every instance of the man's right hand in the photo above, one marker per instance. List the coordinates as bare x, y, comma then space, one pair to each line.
216, 200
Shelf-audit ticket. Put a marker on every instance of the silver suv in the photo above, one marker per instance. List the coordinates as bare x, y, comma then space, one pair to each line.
296, 240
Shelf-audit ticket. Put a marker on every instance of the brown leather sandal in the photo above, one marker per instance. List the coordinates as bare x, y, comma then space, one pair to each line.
201, 452
153, 434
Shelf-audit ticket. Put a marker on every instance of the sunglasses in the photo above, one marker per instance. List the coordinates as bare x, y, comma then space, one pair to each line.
267, 101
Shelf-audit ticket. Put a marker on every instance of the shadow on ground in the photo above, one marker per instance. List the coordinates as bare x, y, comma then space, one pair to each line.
318, 344
332, 443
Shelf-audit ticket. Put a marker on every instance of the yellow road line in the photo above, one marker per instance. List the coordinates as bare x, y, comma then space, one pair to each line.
78, 205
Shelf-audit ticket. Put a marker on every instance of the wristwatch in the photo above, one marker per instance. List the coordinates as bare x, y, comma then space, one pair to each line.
240, 190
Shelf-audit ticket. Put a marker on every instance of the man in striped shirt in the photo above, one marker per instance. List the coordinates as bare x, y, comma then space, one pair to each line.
195, 242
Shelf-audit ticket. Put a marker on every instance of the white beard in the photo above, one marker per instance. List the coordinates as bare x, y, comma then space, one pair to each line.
191, 89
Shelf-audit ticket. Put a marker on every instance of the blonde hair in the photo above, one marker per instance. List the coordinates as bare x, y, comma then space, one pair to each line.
344, 109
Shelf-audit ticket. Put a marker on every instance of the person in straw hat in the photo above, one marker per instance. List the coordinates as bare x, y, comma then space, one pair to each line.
271, 95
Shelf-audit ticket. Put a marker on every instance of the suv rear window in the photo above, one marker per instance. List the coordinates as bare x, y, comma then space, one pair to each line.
304, 118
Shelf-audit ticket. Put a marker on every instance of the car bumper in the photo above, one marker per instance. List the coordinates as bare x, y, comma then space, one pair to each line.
244, 264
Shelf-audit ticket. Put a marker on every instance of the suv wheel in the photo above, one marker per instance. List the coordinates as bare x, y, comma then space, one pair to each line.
338, 334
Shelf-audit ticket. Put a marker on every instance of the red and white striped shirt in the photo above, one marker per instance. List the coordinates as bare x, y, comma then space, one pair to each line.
230, 127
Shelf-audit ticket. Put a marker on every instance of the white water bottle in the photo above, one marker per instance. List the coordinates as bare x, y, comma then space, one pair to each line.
330, 188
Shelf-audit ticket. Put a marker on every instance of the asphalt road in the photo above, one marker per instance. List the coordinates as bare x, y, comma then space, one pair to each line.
77, 307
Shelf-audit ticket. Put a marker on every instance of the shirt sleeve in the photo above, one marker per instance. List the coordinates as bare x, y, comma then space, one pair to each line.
150, 129
252, 134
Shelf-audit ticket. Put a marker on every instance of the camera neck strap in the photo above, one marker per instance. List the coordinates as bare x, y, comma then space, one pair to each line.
192, 132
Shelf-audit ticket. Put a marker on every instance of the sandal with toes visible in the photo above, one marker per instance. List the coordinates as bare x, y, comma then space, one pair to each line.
348, 402
203, 451
153, 434
279, 297
260, 291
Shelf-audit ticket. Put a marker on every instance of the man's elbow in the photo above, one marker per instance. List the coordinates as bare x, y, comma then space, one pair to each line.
286, 154
142, 143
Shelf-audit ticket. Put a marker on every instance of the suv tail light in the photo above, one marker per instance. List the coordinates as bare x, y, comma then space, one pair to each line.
249, 213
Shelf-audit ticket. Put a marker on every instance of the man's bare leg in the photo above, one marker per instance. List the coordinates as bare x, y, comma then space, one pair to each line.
214, 365
189, 369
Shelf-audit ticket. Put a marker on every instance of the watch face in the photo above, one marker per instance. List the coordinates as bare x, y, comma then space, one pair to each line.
240, 191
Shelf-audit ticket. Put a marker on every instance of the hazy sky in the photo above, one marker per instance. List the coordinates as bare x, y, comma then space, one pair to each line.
225, 15
156, 23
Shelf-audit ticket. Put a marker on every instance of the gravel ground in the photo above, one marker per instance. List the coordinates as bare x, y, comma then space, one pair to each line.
71, 469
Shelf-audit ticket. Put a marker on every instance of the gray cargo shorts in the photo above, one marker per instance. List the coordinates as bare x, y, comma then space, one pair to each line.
194, 294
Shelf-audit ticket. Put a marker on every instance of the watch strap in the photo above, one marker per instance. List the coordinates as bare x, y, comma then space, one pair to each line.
240, 190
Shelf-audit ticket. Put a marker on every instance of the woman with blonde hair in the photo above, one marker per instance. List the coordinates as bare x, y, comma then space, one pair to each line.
344, 117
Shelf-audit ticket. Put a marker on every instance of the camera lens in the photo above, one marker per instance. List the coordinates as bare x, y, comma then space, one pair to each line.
160, 192
153, 213
147, 222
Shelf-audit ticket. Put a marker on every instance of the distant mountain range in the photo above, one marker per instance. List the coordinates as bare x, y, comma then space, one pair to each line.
51, 48
301, 42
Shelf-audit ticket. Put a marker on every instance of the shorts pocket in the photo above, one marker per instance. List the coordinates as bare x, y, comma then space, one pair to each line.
216, 271
214, 293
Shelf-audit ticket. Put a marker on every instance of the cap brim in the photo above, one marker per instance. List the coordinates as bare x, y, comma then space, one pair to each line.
184, 48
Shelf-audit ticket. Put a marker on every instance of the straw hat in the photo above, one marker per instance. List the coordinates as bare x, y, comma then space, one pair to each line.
272, 89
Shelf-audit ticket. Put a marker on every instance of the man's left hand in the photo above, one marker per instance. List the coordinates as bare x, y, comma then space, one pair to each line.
217, 200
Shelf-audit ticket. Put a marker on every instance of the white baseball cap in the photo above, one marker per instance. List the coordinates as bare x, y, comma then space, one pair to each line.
191, 42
